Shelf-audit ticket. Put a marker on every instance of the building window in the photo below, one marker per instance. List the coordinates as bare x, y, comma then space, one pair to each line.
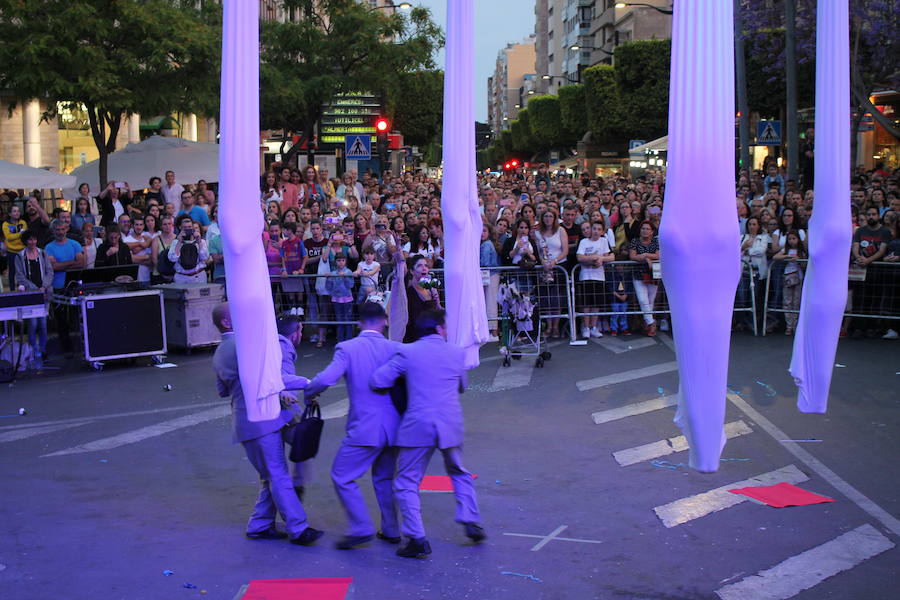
550, 12
550, 36
550, 60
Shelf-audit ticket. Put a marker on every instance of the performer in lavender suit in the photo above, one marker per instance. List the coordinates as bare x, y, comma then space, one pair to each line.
371, 428
435, 375
264, 447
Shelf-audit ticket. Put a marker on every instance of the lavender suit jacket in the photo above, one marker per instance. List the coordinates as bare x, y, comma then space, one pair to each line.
372, 419
435, 375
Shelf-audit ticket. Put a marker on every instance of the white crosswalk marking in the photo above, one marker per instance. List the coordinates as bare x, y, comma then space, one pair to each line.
590, 384
134, 413
144, 433
629, 410
517, 374
620, 346
645, 452
809, 568
21, 434
693, 507
336, 410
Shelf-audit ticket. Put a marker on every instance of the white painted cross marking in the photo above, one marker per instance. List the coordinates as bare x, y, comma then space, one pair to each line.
553, 536
134, 413
699, 505
624, 376
629, 410
144, 433
645, 452
809, 568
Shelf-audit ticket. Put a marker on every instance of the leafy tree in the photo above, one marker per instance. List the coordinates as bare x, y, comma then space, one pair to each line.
114, 58
505, 144
522, 140
603, 107
766, 88
415, 105
642, 77
336, 46
572, 112
545, 122
874, 46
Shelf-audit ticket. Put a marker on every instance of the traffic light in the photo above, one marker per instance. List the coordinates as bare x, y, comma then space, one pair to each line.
382, 125
511, 165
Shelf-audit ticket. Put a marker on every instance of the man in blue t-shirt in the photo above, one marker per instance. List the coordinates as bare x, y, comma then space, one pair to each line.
196, 213
65, 255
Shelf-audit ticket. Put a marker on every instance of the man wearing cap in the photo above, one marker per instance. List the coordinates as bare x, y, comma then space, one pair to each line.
264, 446
371, 428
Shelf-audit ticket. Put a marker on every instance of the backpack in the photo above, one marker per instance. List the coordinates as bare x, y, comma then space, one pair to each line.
189, 256
164, 266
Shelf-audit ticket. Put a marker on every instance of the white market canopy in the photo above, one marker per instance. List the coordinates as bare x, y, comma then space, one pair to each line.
659, 144
14, 176
137, 163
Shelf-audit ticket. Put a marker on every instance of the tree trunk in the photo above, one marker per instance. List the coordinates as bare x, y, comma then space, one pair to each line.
101, 121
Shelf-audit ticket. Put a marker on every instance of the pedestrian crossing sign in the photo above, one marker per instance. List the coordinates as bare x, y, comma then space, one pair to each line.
358, 147
768, 133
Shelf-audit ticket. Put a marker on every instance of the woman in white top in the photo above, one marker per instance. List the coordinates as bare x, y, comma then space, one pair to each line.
553, 244
754, 246
787, 223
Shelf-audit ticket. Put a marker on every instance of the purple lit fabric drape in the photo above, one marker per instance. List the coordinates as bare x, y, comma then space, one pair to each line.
241, 221
701, 285
830, 234
466, 316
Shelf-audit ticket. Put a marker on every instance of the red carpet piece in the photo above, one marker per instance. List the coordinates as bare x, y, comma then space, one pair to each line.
334, 588
782, 494
438, 483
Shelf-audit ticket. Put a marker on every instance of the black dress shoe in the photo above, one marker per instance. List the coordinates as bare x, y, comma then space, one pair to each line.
474, 532
308, 537
419, 548
387, 538
267, 534
349, 542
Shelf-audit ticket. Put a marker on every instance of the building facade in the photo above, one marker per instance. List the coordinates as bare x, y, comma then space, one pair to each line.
594, 28
514, 62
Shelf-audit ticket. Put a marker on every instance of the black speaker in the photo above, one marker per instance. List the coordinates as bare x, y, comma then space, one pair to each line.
123, 325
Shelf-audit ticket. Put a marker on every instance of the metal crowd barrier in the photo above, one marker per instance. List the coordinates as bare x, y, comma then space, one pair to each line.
299, 291
634, 288
873, 292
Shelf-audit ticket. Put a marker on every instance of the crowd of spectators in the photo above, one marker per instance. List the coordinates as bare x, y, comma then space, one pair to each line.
348, 234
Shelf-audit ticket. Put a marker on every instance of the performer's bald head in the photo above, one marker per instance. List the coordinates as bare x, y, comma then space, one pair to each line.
221, 317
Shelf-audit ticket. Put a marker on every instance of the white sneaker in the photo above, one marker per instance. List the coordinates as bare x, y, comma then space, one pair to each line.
890, 335
596, 332
585, 332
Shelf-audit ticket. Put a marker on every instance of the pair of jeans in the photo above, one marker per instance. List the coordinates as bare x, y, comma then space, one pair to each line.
646, 295
342, 312
37, 335
619, 322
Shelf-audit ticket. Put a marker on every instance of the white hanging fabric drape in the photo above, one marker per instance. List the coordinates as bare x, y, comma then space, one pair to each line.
830, 233
701, 285
466, 316
240, 218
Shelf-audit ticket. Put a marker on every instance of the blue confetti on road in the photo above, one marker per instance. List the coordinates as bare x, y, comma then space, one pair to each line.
189, 586
167, 572
523, 575
660, 391
770, 392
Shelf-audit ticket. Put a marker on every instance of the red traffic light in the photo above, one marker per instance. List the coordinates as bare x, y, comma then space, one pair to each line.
515, 164
382, 125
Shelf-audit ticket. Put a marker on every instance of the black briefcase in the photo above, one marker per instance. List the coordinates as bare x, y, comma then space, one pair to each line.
306, 434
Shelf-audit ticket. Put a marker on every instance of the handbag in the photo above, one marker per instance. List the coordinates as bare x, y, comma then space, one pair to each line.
324, 268
306, 434
792, 279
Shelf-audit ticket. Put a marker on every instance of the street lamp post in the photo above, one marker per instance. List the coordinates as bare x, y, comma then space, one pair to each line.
400, 5
665, 11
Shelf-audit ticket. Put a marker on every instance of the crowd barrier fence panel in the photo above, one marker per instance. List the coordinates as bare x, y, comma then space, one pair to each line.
873, 291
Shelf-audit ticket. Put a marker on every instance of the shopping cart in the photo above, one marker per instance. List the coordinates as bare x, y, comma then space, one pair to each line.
520, 324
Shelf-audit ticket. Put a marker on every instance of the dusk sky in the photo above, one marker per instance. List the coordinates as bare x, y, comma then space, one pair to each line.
497, 22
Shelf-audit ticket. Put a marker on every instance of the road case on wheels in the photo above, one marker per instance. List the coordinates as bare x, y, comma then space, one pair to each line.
189, 313
124, 325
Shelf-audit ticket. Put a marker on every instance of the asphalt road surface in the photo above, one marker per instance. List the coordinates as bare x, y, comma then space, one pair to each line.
110, 480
